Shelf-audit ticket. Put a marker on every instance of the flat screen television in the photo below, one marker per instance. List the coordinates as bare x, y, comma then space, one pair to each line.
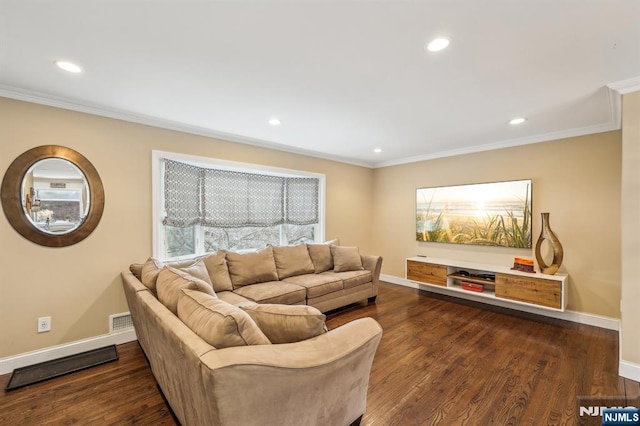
489, 214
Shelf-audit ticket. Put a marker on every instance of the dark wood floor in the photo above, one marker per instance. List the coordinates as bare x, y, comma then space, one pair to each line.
441, 361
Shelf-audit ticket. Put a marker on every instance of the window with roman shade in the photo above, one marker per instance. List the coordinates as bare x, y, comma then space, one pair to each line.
207, 208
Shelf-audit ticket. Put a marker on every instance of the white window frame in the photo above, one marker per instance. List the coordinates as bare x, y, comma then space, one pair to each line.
157, 201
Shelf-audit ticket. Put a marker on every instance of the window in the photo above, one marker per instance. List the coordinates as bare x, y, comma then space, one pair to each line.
59, 204
203, 205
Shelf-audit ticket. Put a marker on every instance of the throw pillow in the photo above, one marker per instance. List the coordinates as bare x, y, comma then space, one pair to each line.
287, 323
217, 322
171, 281
197, 269
334, 242
346, 259
292, 260
218, 271
152, 268
321, 257
251, 268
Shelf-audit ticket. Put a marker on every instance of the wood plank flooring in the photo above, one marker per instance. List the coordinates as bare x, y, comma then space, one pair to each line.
441, 361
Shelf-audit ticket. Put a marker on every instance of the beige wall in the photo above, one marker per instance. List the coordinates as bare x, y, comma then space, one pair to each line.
79, 286
630, 321
577, 180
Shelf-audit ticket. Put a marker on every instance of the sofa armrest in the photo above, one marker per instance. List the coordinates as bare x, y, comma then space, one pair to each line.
323, 380
373, 264
173, 351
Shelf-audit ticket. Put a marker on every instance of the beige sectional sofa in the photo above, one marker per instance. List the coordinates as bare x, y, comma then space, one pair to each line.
239, 339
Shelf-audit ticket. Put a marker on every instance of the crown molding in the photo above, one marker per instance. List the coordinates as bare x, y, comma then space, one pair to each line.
615, 90
546, 137
615, 107
129, 116
614, 123
625, 86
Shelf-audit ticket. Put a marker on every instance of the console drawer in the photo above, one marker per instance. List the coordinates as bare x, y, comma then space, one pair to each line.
537, 291
427, 273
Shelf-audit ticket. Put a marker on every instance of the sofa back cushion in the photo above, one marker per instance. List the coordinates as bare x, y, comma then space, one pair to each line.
321, 257
170, 283
216, 265
346, 259
251, 268
287, 323
292, 260
217, 322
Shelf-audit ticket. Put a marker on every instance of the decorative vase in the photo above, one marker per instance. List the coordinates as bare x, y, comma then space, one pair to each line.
558, 253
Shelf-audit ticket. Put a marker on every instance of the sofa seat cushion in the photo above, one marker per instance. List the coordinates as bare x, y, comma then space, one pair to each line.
292, 260
287, 324
351, 278
217, 322
274, 292
317, 285
234, 299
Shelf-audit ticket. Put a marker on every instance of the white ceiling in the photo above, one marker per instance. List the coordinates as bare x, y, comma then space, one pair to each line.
56, 168
343, 76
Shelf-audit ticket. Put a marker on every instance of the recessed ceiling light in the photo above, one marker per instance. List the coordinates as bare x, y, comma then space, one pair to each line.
274, 122
438, 44
68, 66
517, 120
377, 150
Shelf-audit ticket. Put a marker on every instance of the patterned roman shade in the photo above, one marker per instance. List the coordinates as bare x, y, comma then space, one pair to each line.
229, 199
182, 183
235, 199
302, 201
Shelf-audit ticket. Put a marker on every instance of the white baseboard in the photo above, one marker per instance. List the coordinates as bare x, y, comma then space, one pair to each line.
7, 365
573, 316
630, 370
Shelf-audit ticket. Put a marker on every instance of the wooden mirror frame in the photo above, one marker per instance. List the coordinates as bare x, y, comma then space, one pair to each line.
11, 194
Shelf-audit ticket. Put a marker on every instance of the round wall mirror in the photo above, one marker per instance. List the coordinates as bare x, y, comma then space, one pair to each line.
53, 196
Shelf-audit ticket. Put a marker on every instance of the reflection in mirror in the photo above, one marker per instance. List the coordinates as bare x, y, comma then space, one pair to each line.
55, 196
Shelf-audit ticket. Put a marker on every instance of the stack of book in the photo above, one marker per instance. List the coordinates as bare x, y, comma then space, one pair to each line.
523, 265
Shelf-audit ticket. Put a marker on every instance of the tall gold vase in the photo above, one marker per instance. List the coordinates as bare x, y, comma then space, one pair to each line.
558, 252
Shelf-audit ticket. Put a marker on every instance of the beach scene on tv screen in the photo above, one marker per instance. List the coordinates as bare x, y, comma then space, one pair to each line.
489, 214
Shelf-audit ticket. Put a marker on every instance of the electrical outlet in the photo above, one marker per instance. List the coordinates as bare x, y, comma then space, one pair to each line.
44, 324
